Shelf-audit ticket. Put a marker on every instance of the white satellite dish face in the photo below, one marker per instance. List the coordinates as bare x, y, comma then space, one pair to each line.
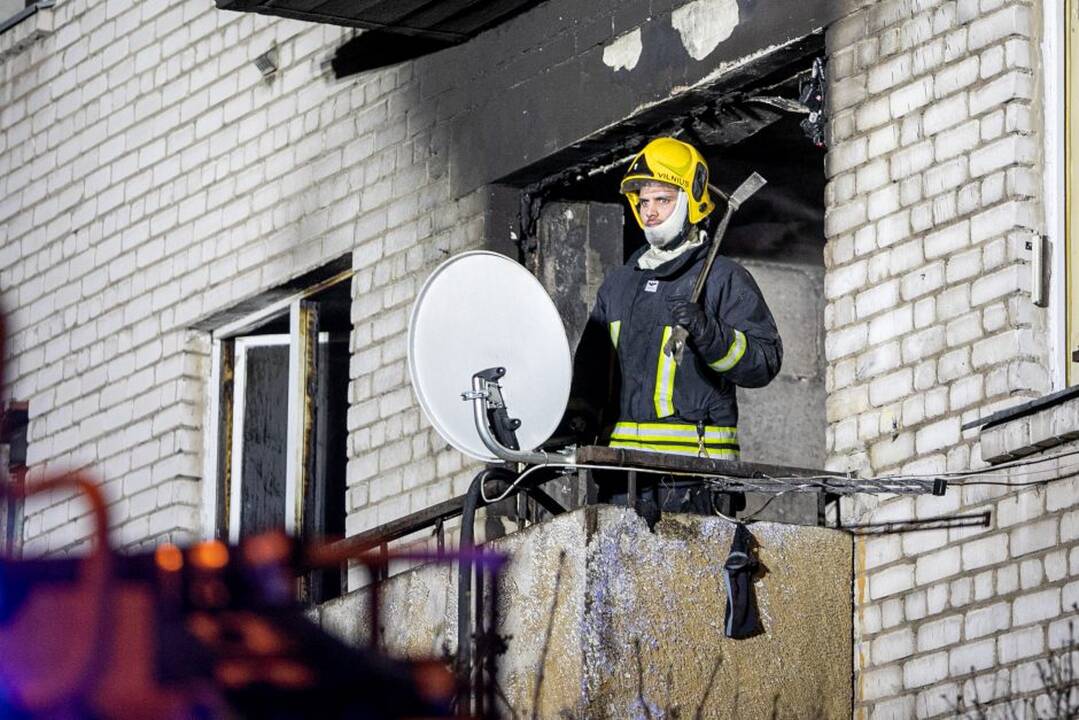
481, 310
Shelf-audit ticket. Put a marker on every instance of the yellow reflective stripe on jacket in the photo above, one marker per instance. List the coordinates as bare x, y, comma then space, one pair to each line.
734, 353
686, 449
677, 438
616, 330
672, 432
663, 399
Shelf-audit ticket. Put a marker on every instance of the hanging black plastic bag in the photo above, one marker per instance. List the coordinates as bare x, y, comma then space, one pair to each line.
742, 619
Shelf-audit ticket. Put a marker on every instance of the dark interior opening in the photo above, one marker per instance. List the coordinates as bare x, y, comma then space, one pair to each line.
784, 220
265, 427
778, 235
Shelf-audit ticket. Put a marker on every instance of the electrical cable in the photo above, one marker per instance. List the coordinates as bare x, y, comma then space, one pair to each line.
590, 466
978, 476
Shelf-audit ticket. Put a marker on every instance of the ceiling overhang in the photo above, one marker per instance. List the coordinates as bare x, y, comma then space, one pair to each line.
397, 30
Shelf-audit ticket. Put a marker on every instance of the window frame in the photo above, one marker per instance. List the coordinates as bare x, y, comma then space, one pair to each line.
219, 511
1067, 124
1055, 200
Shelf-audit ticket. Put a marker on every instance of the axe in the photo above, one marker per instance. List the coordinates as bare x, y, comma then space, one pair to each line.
676, 344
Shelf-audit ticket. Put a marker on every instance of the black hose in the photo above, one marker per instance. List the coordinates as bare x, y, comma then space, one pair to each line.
473, 500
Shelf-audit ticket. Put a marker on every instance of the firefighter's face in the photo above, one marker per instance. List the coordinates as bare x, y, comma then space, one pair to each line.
656, 202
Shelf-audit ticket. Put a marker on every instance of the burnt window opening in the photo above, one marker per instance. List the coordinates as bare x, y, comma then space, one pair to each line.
575, 227
281, 437
784, 220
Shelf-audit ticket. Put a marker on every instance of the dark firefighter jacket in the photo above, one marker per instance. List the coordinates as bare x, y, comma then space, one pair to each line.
691, 408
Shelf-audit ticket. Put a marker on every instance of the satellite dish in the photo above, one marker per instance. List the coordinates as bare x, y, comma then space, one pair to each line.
481, 310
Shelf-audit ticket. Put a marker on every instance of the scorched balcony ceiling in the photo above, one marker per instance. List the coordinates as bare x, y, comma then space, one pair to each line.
398, 30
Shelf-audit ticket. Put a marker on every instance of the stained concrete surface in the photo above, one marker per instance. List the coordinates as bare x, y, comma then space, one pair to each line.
609, 620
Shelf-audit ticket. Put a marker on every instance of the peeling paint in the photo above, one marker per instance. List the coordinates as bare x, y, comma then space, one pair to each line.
721, 70
704, 24
607, 619
624, 51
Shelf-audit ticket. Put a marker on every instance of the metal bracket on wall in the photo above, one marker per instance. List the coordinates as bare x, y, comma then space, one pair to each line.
1038, 286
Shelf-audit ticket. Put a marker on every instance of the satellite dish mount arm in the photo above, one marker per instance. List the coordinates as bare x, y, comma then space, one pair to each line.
496, 428
498, 418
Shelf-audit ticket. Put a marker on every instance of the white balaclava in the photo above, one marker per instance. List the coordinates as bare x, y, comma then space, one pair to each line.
661, 235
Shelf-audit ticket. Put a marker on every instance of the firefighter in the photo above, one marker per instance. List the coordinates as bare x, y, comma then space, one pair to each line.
689, 408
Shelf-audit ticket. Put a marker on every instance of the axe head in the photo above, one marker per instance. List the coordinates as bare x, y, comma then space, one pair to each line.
749, 186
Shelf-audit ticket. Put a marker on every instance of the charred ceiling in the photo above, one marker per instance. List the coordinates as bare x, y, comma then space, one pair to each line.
397, 30
754, 120
745, 102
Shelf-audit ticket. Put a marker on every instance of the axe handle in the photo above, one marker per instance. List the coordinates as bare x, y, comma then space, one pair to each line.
676, 344
702, 278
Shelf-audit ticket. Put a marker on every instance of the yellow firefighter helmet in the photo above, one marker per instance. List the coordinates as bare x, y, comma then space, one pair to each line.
674, 162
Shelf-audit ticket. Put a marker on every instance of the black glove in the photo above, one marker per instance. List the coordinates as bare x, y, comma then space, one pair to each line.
690, 316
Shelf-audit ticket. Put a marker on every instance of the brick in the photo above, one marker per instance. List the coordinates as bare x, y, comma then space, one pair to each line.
881, 550
848, 92
871, 176
910, 160
893, 228
891, 387
841, 343
1070, 596
1012, 20
878, 360
940, 633
944, 114
882, 141
915, 605
945, 176
925, 310
891, 452
846, 403
925, 670
1056, 568
891, 324
876, 299
947, 240
988, 620
1030, 573
846, 156
939, 435
1030, 538
964, 329
965, 392
971, 657
955, 77
961, 592
911, 97
844, 280
890, 73
865, 240
1062, 633
1036, 607
985, 551
1009, 150
934, 566
996, 349
923, 344
1069, 526
922, 281
893, 646
882, 682
957, 141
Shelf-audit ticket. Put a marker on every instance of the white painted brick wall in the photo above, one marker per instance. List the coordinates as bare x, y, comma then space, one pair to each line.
150, 177
948, 102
